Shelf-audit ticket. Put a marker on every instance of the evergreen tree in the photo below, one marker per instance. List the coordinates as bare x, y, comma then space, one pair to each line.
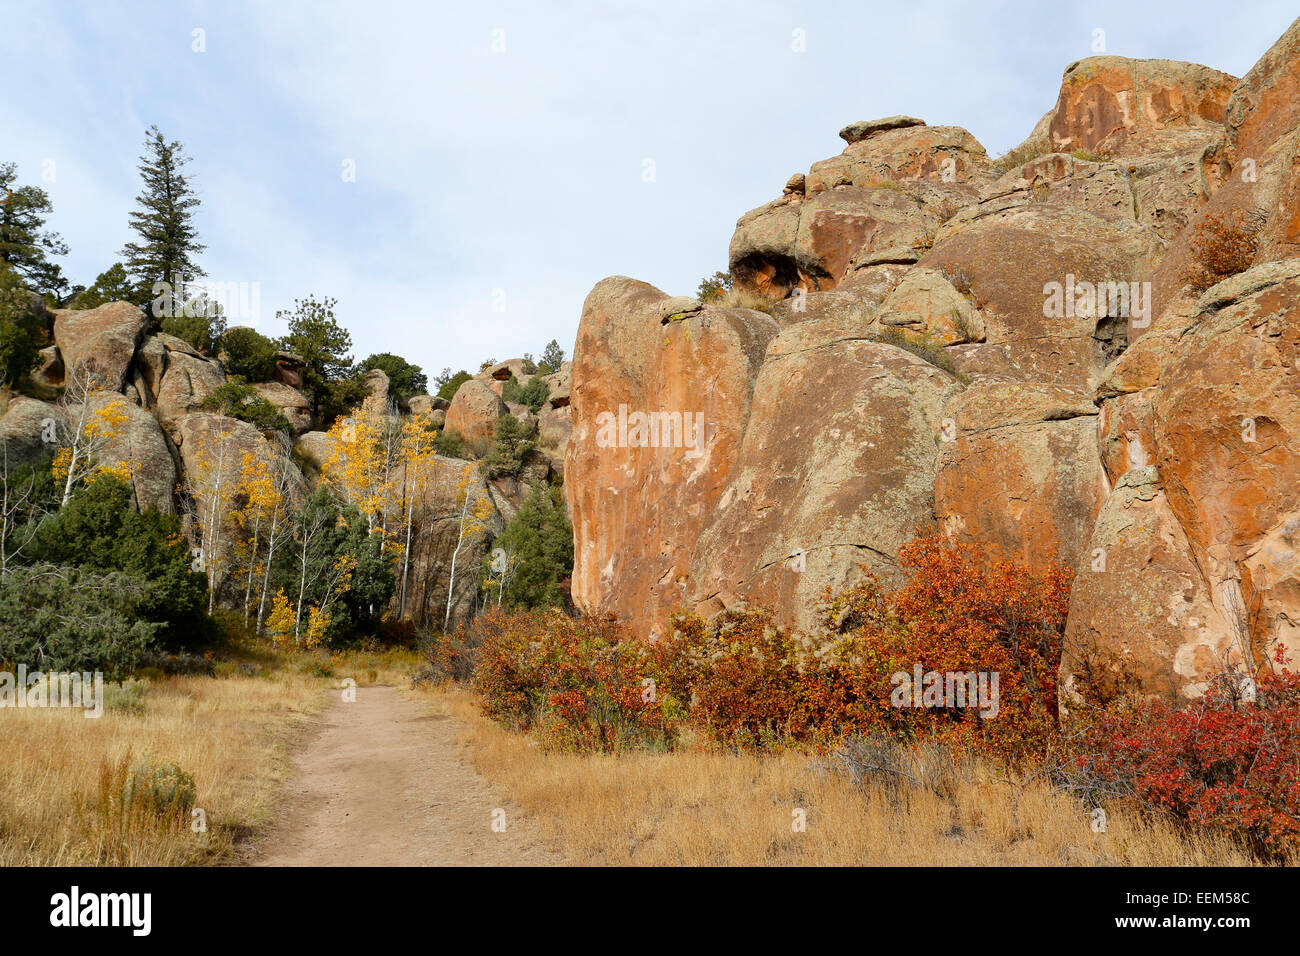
512, 445
168, 242
552, 358
324, 346
535, 393
248, 354
111, 285
20, 329
99, 531
448, 387
539, 539
404, 379
25, 243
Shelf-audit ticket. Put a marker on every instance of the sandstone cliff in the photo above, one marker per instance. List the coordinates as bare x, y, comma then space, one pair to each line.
1078, 396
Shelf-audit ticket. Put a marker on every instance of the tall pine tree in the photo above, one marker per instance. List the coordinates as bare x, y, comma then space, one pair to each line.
168, 240
25, 244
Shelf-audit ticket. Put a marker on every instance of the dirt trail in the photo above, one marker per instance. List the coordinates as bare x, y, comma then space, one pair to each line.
382, 784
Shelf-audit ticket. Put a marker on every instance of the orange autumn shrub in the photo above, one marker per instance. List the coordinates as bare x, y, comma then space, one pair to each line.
1223, 244
965, 610
742, 681
579, 684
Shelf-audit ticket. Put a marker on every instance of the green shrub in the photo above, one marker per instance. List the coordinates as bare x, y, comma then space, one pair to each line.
238, 400
448, 388
126, 697
714, 286
160, 787
450, 444
248, 354
510, 449
922, 346
535, 393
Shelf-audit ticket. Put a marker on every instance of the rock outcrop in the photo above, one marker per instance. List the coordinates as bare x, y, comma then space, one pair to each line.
659, 411
1068, 395
101, 341
474, 412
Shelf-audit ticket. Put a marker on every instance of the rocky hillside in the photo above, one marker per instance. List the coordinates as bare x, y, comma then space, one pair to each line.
109, 354
1083, 351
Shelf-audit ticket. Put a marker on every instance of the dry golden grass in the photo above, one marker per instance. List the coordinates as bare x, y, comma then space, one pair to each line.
59, 794
704, 808
739, 299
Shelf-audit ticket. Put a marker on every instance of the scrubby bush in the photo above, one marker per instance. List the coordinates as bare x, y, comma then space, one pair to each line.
534, 393
1219, 761
235, 399
1223, 244
581, 685
923, 346
159, 787
450, 443
98, 531
66, 619
744, 681
714, 286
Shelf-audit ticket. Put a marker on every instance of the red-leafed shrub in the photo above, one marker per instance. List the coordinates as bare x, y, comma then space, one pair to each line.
580, 684
740, 680
1220, 761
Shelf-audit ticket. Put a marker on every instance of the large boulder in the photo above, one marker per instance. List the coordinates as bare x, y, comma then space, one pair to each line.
375, 403
139, 444
289, 368
102, 340
1142, 617
213, 451
1227, 443
878, 203
1123, 107
439, 503
1019, 470
314, 448
29, 429
659, 410
1257, 174
187, 380
835, 472
474, 412
289, 402
1034, 273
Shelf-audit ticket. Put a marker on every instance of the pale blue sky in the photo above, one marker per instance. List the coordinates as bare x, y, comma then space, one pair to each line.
521, 170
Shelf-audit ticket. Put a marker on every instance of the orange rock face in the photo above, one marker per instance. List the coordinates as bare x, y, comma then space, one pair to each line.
1109, 104
835, 472
474, 411
1019, 469
1149, 439
639, 500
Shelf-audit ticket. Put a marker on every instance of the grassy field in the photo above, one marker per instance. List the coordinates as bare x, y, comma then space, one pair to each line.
697, 807
61, 804
61, 794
